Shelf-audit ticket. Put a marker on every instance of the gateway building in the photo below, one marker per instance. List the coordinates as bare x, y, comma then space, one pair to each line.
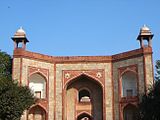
84, 87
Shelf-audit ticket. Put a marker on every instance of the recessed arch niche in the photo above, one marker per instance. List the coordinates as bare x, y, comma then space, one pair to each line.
130, 112
37, 113
37, 83
83, 86
84, 95
129, 84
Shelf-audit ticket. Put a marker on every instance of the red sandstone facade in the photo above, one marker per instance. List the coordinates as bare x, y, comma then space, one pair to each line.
84, 87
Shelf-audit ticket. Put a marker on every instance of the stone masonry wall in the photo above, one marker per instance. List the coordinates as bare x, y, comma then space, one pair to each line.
135, 61
16, 68
26, 63
59, 68
149, 70
143, 63
84, 66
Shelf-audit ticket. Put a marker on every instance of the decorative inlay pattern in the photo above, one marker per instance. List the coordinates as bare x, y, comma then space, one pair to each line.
99, 75
32, 70
128, 68
67, 75
73, 74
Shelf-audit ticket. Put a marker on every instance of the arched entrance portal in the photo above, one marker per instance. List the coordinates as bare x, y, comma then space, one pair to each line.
130, 112
83, 94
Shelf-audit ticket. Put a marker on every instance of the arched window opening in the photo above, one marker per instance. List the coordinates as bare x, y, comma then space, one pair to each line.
84, 96
84, 116
129, 84
145, 43
19, 45
37, 113
37, 84
130, 112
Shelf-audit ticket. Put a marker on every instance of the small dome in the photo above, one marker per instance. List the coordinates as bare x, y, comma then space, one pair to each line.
145, 33
20, 33
20, 30
145, 28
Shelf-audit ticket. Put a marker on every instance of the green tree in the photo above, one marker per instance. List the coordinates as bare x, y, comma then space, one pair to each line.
157, 77
149, 106
14, 99
5, 64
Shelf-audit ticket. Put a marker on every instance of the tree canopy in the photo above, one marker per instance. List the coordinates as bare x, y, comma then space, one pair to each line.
5, 64
14, 99
150, 103
157, 77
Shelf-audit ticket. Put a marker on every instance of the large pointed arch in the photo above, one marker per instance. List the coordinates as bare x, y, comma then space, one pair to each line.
83, 75
71, 100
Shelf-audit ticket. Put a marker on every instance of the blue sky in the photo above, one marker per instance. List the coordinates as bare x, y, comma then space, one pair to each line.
79, 27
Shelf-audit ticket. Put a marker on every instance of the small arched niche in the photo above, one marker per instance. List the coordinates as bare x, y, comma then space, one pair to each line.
129, 84
130, 112
37, 113
84, 95
37, 83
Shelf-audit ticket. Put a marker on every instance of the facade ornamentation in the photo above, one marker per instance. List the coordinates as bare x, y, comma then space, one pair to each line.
98, 75
67, 75
84, 87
